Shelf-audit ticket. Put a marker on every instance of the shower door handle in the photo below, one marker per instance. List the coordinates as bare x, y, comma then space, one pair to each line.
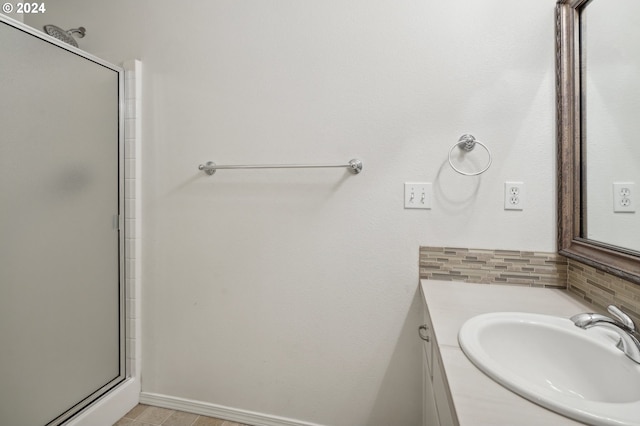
423, 332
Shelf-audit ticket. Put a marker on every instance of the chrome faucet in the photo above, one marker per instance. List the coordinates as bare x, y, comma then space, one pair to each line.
622, 324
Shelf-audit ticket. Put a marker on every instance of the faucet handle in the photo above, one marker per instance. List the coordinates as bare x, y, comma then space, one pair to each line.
622, 317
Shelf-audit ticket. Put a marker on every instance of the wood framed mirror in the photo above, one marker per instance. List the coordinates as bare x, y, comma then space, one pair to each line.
574, 240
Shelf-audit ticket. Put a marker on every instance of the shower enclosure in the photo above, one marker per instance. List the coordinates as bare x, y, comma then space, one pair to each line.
62, 342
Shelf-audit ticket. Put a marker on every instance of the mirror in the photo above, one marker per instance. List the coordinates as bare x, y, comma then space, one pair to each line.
611, 99
598, 173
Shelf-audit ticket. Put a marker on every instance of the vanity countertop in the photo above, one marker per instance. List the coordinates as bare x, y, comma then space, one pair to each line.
478, 400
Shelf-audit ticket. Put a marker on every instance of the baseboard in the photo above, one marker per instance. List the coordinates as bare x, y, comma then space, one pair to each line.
219, 411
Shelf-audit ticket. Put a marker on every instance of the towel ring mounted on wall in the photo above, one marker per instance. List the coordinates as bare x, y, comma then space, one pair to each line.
467, 143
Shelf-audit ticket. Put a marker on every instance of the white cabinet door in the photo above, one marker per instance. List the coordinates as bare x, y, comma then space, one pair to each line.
429, 411
441, 393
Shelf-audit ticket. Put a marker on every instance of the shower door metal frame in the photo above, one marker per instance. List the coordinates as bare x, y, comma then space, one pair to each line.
124, 372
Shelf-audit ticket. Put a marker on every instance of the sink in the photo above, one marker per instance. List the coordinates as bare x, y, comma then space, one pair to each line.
548, 360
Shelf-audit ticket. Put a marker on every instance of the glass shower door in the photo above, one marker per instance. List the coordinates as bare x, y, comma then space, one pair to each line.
61, 278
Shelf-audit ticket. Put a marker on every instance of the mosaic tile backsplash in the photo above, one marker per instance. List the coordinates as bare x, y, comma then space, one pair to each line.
528, 268
604, 289
534, 269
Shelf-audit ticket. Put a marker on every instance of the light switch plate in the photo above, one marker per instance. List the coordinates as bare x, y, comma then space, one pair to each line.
417, 195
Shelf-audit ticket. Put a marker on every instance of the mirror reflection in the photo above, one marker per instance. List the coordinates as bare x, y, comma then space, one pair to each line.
610, 76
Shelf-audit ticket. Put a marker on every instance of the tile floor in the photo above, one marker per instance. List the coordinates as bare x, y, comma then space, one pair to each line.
147, 415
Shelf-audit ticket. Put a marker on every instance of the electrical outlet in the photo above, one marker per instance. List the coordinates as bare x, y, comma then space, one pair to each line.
623, 197
417, 195
514, 196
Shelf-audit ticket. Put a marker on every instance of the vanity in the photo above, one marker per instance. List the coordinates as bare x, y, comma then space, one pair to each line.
455, 391
598, 228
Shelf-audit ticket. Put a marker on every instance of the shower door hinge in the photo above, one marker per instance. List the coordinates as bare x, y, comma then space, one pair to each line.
116, 222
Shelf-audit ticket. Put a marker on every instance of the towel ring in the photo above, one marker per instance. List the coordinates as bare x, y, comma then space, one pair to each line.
467, 143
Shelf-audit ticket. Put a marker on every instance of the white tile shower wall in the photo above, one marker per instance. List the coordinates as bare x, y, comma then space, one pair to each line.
133, 230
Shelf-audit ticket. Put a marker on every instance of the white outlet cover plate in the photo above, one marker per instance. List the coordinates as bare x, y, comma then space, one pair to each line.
417, 195
624, 197
514, 196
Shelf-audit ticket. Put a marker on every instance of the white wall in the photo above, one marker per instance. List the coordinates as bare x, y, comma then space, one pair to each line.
294, 293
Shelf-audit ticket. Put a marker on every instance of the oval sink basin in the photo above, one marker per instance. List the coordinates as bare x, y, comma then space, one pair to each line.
548, 360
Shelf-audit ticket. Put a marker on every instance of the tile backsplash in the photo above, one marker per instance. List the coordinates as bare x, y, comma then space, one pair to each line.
604, 289
534, 269
528, 268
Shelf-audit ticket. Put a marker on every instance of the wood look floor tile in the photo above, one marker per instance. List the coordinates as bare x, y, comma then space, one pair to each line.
136, 411
180, 418
208, 421
148, 415
154, 415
